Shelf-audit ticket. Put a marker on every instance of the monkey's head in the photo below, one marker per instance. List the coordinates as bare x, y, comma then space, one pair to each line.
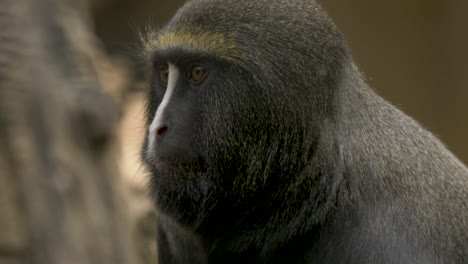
238, 95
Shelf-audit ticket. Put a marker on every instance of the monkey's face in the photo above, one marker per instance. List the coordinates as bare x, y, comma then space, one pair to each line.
175, 93
205, 118
186, 111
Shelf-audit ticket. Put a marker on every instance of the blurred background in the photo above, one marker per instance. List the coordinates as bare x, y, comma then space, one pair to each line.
413, 52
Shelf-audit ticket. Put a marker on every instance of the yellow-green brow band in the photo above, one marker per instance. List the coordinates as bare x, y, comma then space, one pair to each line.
196, 40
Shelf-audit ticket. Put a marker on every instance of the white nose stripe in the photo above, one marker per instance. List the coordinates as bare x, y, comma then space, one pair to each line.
159, 115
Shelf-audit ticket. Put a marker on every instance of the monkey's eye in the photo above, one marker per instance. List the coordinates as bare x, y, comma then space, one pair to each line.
197, 72
164, 75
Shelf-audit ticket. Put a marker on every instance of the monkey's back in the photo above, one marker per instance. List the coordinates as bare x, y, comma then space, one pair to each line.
409, 192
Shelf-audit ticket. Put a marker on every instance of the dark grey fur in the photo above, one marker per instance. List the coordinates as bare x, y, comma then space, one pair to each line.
305, 163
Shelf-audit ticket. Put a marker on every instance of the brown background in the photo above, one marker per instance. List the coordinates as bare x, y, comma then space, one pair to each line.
413, 52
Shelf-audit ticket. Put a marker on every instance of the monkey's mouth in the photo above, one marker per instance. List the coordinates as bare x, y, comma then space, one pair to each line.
196, 166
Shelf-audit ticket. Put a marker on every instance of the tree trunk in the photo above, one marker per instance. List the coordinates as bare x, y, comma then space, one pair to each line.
61, 198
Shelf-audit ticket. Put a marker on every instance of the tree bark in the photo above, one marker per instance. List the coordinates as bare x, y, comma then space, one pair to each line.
61, 198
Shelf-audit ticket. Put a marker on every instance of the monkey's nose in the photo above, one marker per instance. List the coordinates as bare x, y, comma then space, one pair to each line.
160, 131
